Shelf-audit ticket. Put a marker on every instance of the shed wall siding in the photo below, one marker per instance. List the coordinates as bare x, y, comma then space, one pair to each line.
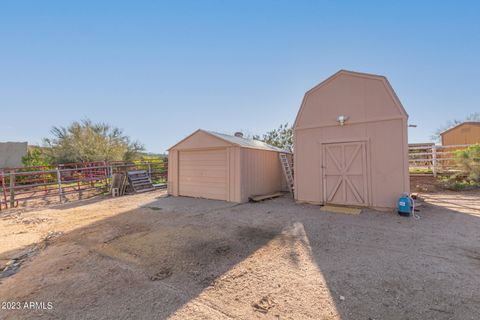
386, 171
235, 178
172, 180
261, 173
465, 134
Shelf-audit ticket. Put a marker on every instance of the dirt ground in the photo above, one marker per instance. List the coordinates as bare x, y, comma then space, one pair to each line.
149, 256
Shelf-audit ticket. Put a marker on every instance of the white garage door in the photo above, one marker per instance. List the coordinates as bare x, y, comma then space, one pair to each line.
203, 174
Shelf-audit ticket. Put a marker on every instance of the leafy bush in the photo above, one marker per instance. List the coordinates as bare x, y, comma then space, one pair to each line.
36, 157
457, 183
468, 163
281, 138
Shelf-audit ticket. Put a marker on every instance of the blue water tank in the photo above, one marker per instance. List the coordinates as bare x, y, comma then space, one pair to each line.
404, 205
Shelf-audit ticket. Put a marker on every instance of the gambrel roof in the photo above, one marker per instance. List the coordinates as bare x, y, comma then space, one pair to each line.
331, 79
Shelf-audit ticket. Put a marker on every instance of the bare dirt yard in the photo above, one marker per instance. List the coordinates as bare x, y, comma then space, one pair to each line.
148, 256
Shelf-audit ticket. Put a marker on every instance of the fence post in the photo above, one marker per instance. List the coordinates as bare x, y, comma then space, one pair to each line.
434, 160
59, 181
44, 179
105, 174
149, 171
4, 191
12, 188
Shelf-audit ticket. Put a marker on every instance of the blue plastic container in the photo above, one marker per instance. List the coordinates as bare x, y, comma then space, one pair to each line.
405, 205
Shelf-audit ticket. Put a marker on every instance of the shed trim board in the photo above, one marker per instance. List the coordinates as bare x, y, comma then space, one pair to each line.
325, 125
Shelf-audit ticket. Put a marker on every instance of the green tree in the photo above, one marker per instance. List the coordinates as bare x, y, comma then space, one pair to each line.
84, 141
36, 157
281, 137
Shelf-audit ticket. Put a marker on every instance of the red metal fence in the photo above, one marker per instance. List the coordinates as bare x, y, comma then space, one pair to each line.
66, 182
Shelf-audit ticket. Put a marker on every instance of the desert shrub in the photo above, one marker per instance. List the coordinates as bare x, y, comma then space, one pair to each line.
36, 157
457, 183
467, 162
86, 141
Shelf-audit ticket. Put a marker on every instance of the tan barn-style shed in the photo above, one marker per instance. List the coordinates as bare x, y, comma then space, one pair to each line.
350, 143
218, 166
464, 133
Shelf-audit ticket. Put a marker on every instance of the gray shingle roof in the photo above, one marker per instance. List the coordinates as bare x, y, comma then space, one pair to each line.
247, 143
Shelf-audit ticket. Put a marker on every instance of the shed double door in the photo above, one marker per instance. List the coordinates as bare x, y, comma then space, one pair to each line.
344, 173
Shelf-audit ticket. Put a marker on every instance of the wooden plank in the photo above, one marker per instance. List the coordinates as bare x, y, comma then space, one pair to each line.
265, 197
341, 209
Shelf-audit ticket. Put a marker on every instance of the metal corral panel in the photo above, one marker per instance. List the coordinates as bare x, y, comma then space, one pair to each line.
203, 174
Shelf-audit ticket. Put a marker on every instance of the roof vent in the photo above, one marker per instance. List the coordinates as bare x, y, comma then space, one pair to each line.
238, 134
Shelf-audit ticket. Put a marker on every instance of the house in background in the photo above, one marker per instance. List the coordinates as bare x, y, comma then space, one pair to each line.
11, 154
350, 142
463, 133
218, 166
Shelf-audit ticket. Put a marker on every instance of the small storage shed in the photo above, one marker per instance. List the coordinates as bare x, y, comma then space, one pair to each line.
218, 166
464, 133
350, 142
11, 154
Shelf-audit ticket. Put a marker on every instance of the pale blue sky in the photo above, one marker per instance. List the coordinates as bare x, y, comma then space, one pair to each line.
225, 65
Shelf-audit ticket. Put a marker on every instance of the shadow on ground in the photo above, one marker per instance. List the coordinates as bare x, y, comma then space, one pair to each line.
190, 258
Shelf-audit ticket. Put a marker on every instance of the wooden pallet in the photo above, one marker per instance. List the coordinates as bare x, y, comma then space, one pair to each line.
140, 181
287, 170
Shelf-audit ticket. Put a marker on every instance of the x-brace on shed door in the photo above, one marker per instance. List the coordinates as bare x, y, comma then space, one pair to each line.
344, 175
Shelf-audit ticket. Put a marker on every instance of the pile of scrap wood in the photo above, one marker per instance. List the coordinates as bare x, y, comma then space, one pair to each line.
136, 181
119, 184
